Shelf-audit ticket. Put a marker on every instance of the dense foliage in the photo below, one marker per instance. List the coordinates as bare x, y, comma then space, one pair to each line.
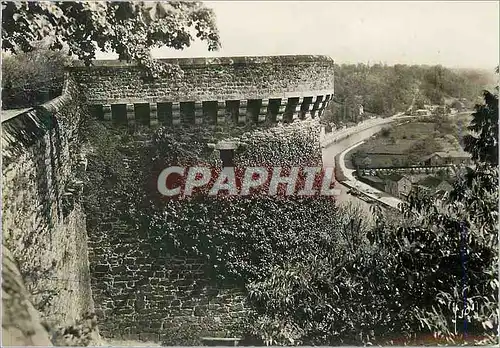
128, 28
483, 142
431, 271
32, 78
333, 296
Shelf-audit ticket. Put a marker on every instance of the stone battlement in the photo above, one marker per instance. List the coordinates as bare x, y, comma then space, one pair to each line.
204, 61
211, 90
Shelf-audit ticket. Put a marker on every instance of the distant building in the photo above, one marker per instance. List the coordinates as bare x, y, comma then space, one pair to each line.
435, 186
422, 112
397, 185
446, 158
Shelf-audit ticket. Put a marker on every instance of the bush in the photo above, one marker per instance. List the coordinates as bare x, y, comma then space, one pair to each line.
341, 294
83, 333
386, 132
30, 79
431, 253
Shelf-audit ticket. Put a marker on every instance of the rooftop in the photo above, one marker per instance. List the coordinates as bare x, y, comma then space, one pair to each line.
373, 178
430, 181
448, 154
394, 177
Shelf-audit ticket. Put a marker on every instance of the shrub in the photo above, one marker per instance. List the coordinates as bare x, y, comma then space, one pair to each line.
386, 132
431, 253
341, 294
83, 333
32, 78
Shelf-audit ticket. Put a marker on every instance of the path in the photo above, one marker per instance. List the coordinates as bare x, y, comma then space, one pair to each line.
363, 187
340, 142
329, 154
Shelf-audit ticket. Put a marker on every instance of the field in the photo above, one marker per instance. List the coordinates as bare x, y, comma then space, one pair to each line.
407, 144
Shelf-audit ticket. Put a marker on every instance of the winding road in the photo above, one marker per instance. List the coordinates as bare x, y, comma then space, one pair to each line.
340, 142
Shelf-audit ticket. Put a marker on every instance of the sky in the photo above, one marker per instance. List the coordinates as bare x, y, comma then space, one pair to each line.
461, 34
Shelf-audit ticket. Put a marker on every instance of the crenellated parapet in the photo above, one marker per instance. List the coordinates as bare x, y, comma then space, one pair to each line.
211, 91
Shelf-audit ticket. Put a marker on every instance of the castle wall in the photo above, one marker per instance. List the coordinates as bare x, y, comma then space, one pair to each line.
144, 286
43, 222
140, 289
211, 90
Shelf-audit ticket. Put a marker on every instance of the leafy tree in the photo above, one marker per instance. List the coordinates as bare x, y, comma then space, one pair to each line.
331, 296
130, 29
366, 162
33, 77
482, 143
448, 254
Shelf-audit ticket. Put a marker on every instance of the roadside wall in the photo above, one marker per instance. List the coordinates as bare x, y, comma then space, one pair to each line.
43, 221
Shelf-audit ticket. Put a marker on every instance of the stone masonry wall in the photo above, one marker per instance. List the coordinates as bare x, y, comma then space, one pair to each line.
145, 287
206, 79
144, 293
43, 222
142, 288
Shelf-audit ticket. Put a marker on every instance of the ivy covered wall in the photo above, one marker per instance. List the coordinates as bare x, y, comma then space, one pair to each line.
176, 270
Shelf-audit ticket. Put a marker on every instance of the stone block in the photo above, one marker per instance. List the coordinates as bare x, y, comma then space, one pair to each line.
153, 114
198, 112
106, 110
263, 110
281, 109
242, 111
221, 112
176, 113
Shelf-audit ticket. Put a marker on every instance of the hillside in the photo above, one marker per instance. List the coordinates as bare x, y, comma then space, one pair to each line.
385, 90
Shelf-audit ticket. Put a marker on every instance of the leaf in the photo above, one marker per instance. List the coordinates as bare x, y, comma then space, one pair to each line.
488, 324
